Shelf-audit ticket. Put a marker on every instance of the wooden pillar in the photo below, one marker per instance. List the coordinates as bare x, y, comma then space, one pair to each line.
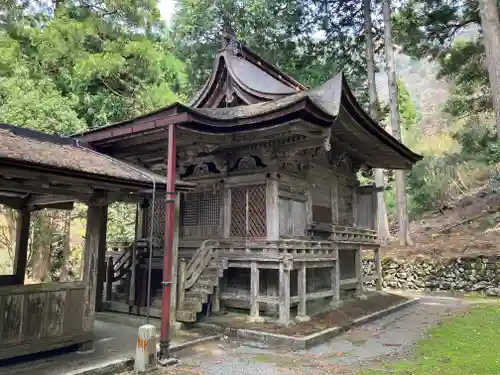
254, 294
133, 276
335, 282
22, 239
142, 220
95, 217
216, 300
378, 269
284, 296
355, 206
302, 289
181, 292
226, 212
101, 258
358, 264
334, 201
175, 259
273, 233
272, 209
110, 273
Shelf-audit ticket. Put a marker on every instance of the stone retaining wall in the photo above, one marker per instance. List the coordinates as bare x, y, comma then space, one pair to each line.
465, 274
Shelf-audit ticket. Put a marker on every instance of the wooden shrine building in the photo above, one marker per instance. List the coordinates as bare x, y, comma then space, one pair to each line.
38, 171
278, 217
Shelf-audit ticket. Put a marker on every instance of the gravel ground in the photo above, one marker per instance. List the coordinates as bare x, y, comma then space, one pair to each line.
367, 346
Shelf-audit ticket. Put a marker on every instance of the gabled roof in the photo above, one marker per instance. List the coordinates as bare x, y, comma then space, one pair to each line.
24, 148
240, 73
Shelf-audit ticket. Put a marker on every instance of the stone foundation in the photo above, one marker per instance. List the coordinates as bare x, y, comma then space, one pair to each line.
462, 274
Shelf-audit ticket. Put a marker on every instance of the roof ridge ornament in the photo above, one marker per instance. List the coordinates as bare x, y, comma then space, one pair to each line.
327, 143
230, 42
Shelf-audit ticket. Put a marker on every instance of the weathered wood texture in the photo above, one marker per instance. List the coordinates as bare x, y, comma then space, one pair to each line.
366, 209
332, 195
96, 214
22, 238
40, 317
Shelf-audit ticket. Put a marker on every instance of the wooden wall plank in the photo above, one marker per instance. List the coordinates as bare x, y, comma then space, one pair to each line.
34, 316
54, 324
12, 319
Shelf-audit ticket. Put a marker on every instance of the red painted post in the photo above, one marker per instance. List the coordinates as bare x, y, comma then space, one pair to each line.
168, 246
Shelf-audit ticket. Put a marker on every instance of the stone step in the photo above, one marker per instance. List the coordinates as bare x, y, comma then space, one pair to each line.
213, 271
185, 316
205, 288
208, 280
197, 295
191, 304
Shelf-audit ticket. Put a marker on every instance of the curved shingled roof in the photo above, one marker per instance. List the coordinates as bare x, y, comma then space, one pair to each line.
240, 71
272, 99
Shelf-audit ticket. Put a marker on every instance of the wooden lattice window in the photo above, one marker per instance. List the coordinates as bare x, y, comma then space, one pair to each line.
248, 211
201, 213
158, 218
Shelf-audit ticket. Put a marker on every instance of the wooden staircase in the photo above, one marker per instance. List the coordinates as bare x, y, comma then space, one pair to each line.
198, 281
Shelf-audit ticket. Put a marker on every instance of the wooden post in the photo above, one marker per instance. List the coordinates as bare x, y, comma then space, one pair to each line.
335, 282
358, 264
254, 294
142, 220
101, 258
95, 217
284, 297
334, 201
378, 269
272, 209
22, 238
216, 300
181, 291
133, 276
355, 206
110, 273
175, 259
302, 289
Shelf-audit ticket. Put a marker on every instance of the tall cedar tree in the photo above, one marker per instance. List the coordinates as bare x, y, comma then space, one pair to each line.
401, 202
382, 221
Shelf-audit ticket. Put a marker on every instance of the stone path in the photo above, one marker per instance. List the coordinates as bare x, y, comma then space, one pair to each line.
364, 347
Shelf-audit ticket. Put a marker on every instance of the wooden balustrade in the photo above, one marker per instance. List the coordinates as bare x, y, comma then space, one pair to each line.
353, 235
272, 250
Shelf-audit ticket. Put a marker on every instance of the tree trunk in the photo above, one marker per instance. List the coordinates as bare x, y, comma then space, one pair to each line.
66, 247
402, 209
382, 221
490, 24
42, 241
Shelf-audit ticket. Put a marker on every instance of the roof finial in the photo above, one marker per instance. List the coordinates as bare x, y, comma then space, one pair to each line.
230, 42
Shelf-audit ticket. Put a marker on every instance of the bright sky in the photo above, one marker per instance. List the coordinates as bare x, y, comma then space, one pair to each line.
166, 9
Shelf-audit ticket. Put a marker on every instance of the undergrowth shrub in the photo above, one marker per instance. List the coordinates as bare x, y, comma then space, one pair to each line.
437, 179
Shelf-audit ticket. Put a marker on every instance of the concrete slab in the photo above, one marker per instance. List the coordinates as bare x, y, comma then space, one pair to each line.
114, 349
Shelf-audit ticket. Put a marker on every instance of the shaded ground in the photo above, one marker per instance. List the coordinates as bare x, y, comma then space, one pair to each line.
343, 316
365, 347
113, 342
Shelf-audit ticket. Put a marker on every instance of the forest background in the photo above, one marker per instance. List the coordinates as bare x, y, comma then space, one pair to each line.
71, 65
